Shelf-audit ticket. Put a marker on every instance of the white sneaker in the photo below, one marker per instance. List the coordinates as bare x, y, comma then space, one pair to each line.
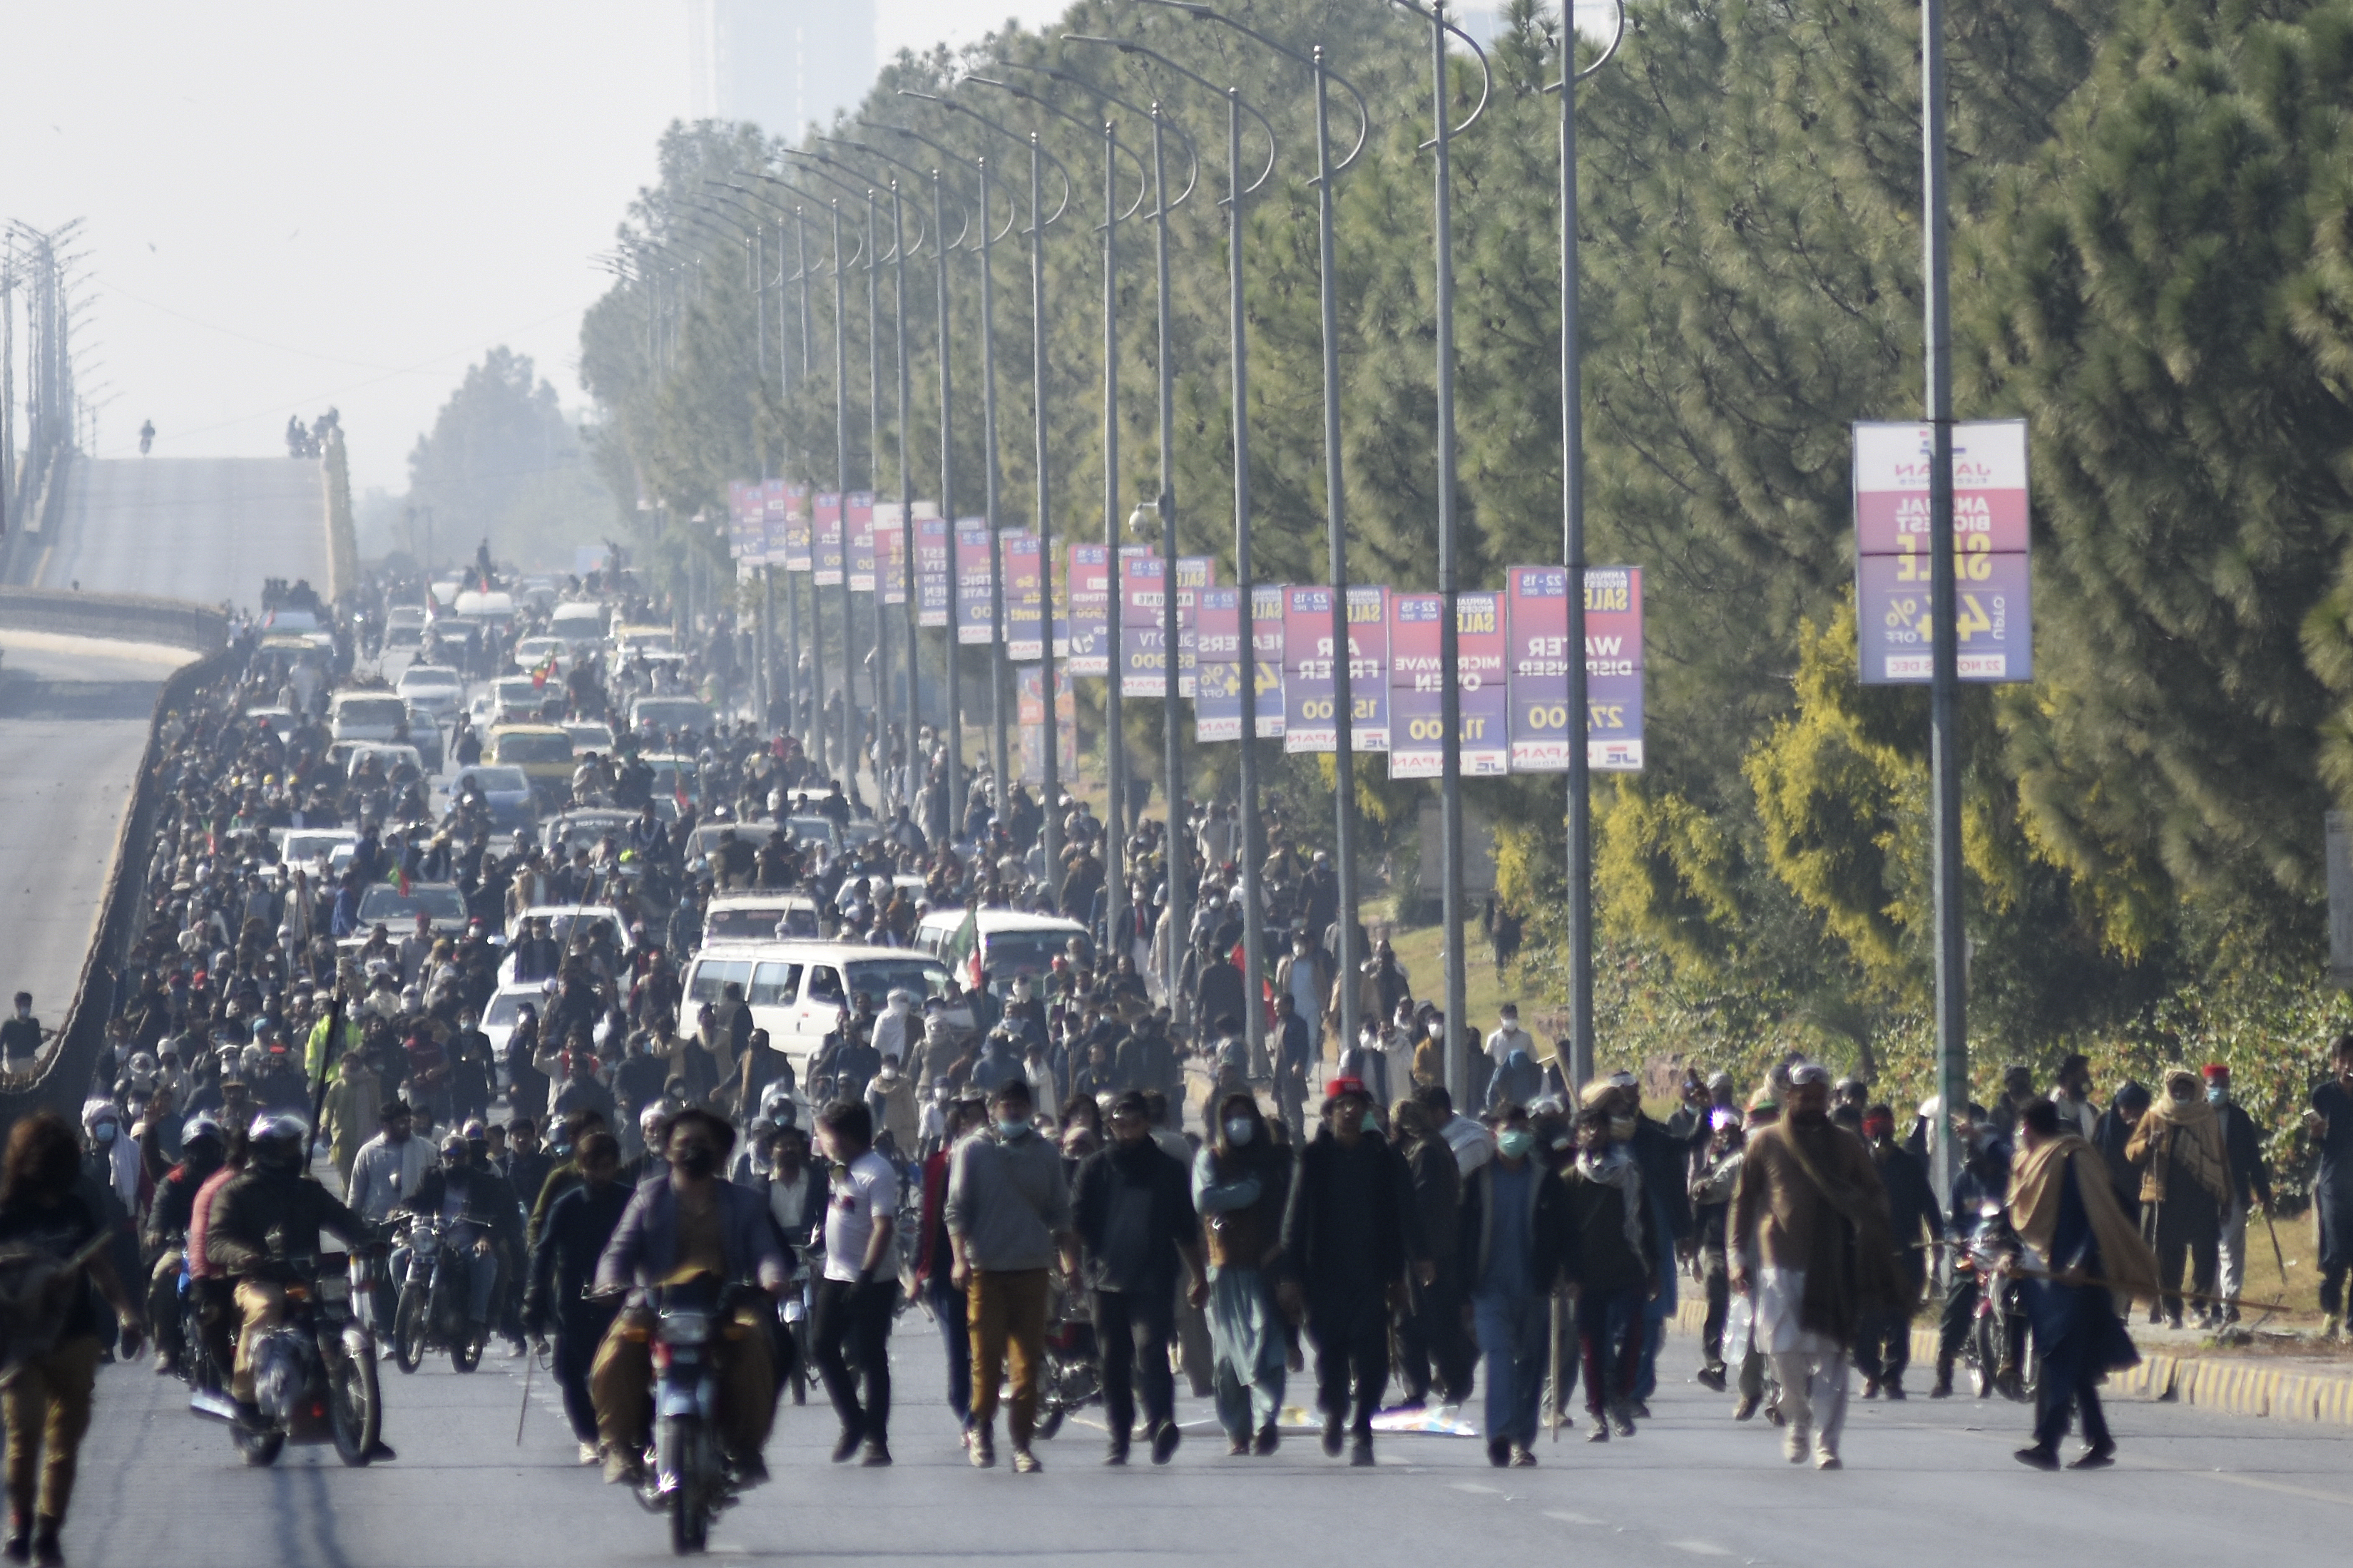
1828, 1459
588, 1455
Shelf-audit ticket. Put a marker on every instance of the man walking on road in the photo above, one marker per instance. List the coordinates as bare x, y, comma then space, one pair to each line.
1132, 1208
859, 1291
1809, 1208
2251, 1186
1009, 1209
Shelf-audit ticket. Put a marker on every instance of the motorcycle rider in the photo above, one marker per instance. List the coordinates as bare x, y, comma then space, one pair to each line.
478, 1210
271, 1210
201, 1147
688, 1220
578, 1226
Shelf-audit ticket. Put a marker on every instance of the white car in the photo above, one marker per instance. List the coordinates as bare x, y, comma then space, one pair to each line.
564, 922
516, 698
798, 990
1004, 942
403, 626
435, 688
532, 653
505, 1006
367, 716
759, 917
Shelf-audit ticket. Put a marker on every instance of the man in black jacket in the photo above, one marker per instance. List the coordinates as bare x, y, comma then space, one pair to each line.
1514, 1223
577, 1226
1916, 1220
1132, 1208
1665, 1160
2251, 1186
1348, 1235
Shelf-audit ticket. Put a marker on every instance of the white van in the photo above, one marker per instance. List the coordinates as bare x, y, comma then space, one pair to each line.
491, 609
580, 622
1005, 942
367, 716
797, 989
760, 917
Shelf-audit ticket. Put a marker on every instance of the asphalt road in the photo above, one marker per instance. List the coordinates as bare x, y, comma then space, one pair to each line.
73, 724
205, 529
1926, 1483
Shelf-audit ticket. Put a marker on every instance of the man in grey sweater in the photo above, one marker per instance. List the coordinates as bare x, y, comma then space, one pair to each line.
1008, 1214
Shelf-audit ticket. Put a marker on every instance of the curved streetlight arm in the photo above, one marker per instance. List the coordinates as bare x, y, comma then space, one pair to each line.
1192, 154
949, 153
1486, 71
1129, 46
1094, 128
1569, 43
924, 176
922, 231
1018, 139
857, 193
1363, 115
797, 215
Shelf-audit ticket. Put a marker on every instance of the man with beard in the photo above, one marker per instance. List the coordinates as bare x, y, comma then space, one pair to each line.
1810, 1209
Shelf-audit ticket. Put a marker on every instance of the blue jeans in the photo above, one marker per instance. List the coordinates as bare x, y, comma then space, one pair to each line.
481, 1279
948, 1310
1514, 1334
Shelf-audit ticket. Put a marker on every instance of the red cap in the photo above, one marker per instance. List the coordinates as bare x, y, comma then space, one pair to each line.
2216, 1070
1345, 1085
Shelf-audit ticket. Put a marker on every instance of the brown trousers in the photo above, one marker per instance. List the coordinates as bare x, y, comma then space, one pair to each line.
47, 1410
621, 1382
1007, 1308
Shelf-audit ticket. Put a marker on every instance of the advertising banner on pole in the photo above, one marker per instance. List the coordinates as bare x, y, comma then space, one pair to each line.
1485, 708
859, 505
826, 512
1084, 632
1309, 723
799, 553
1536, 610
776, 506
1025, 602
1218, 670
890, 553
1030, 710
1194, 573
932, 577
975, 614
1266, 643
1143, 661
1368, 669
1994, 625
1416, 684
743, 511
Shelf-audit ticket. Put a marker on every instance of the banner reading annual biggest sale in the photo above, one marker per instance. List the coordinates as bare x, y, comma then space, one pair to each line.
1536, 607
1418, 685
1024, 597
976, 614
1994, 627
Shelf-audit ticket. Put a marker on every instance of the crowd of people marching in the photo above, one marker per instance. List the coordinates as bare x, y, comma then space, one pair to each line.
1093, 1177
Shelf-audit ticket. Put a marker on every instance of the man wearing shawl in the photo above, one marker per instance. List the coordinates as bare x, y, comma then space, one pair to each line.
2082, 1247
1810, 1210
2185, 1185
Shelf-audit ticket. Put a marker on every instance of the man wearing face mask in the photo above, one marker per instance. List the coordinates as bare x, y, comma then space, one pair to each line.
2185, 1186
1811, 1204
1241, 1185
1513, 1219
1132, 1211
1348, 1238
1982, 1182
480, 1211
686, 1221
578, 1226
1008, 1212
1885, 1350
2250, 1186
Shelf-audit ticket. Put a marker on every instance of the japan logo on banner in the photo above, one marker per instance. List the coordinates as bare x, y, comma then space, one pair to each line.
933, 577
828, 522
1143, 653
975, 578
859, 506
1083, 635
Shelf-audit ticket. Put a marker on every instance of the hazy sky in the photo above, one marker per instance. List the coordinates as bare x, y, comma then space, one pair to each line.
289, 206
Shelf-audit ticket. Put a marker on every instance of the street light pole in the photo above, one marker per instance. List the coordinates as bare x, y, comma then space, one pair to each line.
1458, 1059
1572, 555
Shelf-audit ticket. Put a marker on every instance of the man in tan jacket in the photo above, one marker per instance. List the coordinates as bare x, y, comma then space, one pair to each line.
1810, 1233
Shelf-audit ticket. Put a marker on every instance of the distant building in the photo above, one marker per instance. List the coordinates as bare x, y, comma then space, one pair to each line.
781, 64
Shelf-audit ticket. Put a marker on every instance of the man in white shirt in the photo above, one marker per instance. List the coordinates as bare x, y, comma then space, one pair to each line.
1509, 1037
891, 1030
387, 1167
860, 1290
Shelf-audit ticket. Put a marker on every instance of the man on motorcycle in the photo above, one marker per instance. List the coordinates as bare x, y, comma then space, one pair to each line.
271, 1210
201, 1147
479, 1210
687, 1223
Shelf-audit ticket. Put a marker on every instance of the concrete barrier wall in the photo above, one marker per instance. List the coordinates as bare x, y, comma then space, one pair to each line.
119, 617
63, 1082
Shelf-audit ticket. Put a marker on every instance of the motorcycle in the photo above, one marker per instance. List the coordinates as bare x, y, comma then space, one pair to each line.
687, 1476
1999, 1352
431, 1311
1073, 1378
314, 1374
